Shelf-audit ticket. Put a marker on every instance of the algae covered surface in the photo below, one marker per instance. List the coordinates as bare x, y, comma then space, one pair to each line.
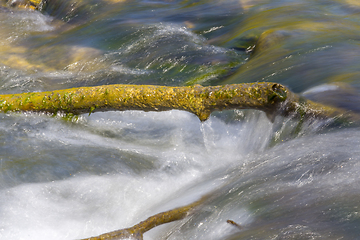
199, 100
272, 98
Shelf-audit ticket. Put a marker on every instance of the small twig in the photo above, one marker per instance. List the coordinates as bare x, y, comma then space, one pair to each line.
234, 224
137, 231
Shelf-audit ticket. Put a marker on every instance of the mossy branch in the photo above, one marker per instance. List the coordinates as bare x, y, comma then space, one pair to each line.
196, 99
271, 98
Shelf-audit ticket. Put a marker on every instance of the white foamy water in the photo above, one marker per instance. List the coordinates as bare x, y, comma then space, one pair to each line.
17, 24
112, 170
70, 199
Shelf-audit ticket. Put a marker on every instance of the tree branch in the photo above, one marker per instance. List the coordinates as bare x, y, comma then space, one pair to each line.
137, 231
271, 98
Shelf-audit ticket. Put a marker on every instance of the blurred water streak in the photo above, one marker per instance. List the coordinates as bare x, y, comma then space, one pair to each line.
63, 179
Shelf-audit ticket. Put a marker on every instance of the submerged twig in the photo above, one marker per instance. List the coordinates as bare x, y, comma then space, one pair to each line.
136, 232
234, 224
271, 98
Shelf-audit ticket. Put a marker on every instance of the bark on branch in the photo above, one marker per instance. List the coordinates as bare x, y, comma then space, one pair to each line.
271, 98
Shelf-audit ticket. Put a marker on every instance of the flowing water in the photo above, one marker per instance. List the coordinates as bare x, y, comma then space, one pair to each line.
64, 178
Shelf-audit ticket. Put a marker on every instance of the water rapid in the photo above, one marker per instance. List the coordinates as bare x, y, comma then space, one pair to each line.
72, 178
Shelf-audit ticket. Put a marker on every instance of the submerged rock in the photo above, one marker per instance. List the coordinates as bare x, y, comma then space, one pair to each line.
337, 94
269, 39
31, 4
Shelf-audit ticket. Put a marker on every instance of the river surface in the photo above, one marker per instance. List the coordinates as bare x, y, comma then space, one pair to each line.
64, 178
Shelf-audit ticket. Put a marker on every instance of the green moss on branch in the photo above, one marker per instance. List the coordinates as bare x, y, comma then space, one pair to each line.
196, 99
271, 98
